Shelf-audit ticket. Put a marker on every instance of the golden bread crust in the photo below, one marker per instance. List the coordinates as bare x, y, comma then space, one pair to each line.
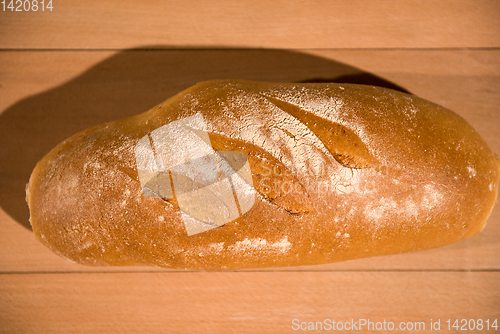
340, 171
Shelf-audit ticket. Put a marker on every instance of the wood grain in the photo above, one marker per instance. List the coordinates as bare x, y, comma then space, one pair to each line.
80, 24
55, 94
239, 302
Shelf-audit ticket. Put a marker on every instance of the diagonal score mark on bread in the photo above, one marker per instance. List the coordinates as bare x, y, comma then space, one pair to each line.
272, 180
343, 144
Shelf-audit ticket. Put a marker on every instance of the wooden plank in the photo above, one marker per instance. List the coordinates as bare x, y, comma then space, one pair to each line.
464, 81
121, 24
241, 302
47, 96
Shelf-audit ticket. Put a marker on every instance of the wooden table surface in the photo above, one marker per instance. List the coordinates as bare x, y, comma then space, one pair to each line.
87, 62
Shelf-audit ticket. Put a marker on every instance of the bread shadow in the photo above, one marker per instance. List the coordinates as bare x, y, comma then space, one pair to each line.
131, 82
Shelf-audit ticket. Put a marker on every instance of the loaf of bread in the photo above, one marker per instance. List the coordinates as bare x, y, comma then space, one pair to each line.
237, 174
